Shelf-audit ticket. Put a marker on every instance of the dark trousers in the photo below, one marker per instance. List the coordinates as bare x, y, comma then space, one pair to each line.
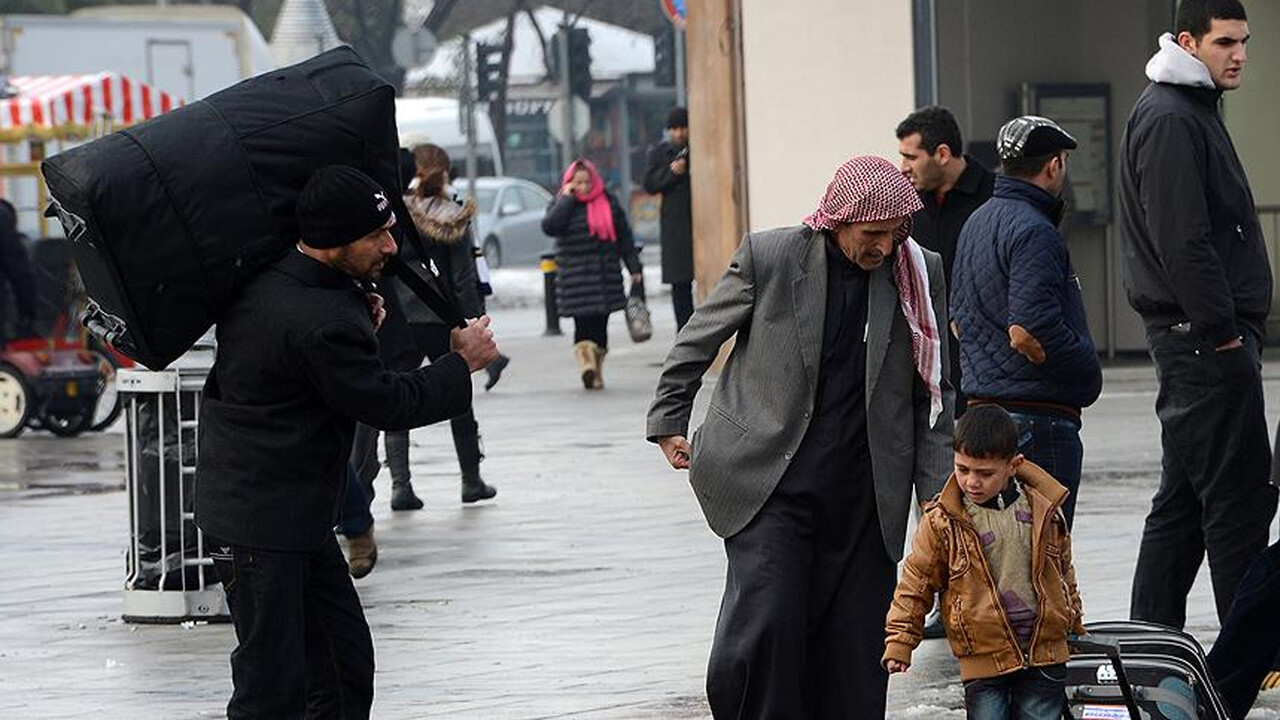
304, 646
591, 327
682, 301
1054, 444
356, 518
801, 628
1031, 694
1246, 649
1215, 493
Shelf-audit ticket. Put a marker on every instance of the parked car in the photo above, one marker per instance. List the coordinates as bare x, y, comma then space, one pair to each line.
509, 220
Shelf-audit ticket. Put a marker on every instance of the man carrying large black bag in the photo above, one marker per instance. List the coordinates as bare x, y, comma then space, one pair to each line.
297, 367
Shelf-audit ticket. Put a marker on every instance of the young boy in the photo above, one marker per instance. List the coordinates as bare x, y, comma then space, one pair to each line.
995, 545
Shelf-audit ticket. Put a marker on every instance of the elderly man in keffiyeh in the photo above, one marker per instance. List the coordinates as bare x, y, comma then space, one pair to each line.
833, 407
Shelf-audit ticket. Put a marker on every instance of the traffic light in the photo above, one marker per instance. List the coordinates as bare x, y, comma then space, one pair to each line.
488, 71
664, 58
580, 62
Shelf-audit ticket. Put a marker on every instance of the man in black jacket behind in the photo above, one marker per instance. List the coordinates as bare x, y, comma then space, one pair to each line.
297, 367
667, 173
951, 185
1197, 271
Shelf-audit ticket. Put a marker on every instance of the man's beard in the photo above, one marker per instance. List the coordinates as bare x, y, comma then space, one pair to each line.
344, 263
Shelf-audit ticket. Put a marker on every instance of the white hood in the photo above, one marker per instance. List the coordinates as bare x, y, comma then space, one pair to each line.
1171, 64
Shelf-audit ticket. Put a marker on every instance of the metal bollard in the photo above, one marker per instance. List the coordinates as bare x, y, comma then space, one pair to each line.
549, 269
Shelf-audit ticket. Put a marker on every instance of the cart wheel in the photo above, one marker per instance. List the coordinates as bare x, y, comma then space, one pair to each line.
109, 406
15, 402
68, 425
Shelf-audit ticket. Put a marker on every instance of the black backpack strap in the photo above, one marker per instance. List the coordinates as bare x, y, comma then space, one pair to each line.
421, 279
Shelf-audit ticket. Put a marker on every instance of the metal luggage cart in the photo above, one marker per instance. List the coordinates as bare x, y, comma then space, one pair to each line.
169, 574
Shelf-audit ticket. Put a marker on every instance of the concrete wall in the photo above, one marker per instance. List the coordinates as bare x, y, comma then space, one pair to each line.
1253, 112
823, 80
988, 48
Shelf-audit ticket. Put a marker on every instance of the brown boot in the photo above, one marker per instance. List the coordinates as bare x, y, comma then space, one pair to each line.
599, 356
362, 554
585, 352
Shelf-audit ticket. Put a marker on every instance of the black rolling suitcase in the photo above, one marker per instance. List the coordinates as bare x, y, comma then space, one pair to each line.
1143, 671
169, 218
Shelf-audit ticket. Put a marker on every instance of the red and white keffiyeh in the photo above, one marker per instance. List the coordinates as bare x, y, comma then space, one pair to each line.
870, 189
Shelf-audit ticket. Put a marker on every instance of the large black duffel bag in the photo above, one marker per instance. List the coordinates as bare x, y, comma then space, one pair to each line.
169, 218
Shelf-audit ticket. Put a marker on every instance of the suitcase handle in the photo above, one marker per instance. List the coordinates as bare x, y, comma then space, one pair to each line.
1110, 647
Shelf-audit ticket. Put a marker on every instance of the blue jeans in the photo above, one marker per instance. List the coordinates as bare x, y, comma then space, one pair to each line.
1031, 694
356, 518
1053, 443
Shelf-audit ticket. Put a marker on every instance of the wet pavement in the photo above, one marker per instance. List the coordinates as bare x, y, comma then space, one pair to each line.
589, 588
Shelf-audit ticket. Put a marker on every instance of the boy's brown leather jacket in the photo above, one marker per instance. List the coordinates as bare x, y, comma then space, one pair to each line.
946, 556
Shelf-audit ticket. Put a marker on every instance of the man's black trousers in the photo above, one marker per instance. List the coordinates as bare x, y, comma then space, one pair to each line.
1215, 494
305, 649
801, 628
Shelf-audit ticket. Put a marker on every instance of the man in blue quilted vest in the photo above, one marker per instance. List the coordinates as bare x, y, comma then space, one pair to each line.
1016, 304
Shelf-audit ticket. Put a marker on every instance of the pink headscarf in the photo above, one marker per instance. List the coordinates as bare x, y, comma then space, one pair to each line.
870, 189
599, 212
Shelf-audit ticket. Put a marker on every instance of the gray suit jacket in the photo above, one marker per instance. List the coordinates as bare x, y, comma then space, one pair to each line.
774, 297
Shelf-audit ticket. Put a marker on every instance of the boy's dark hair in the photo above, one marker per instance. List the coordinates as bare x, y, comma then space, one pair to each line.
936, 125
986, 431
1026, 167
1197, 16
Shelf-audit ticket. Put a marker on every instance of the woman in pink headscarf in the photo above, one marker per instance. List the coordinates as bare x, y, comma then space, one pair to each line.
592, 237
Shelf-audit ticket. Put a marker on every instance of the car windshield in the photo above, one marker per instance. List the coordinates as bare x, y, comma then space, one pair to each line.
484, 198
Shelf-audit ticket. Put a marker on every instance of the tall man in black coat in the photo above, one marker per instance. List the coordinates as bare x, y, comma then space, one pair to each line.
667, 172
1196, 270
297, 367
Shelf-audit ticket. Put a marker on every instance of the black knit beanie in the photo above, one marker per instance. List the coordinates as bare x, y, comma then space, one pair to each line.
678, 117
340, 205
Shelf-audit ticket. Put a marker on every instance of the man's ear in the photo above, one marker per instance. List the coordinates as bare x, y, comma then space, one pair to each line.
1188, 42
943, 153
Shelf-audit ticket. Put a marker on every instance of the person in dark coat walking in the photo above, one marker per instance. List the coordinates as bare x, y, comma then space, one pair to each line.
297, 367
15, 271
592, 237
446, 229
667, 173
1197, 271
418, 333
1017, 309
951, 185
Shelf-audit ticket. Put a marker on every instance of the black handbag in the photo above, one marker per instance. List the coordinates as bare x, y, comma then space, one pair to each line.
638, 322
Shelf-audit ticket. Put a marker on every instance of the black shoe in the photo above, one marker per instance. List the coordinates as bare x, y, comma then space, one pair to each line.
494, 371
475, 490
933, 629
403, 497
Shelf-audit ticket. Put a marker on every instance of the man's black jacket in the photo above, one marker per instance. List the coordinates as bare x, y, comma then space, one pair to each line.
937, 226
297, 367
1193, 248
677, 211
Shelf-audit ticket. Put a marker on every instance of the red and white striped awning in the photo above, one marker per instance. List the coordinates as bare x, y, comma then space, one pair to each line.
72, 105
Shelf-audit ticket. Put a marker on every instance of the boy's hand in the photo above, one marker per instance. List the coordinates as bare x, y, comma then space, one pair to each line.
896, 666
